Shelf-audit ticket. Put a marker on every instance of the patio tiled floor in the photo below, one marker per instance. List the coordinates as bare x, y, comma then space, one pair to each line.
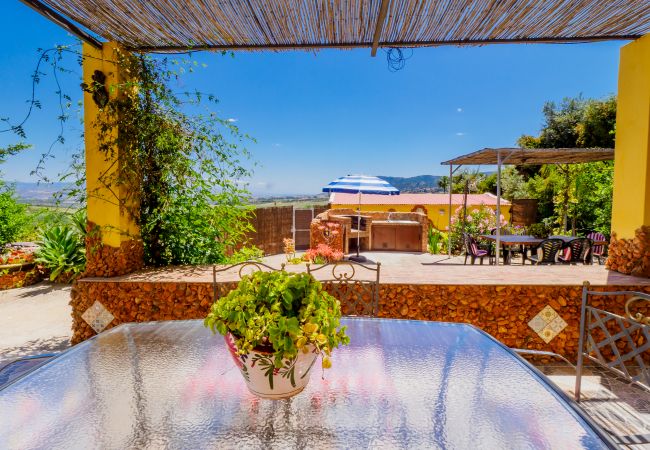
621, 408
423, 268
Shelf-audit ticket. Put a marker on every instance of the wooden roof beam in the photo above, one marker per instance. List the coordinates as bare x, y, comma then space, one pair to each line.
58, 19
383, 9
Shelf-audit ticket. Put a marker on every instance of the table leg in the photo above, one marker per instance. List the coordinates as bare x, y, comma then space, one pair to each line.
506, 255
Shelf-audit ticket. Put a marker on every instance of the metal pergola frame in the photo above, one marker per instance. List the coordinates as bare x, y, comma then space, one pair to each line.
520, 157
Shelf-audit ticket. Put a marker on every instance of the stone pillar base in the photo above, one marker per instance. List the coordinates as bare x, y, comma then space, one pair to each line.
631, 256
106, 261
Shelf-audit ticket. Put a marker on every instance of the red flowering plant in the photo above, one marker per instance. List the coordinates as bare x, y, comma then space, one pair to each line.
323, 254
16, 257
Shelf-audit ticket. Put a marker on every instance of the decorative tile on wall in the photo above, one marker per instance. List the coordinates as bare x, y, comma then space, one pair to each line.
98, 317
547, 324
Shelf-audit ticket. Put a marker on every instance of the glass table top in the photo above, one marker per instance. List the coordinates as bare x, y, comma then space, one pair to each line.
399, 384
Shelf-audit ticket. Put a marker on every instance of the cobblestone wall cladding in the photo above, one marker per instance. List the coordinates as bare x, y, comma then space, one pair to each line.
502, 311
631, 256
106, 261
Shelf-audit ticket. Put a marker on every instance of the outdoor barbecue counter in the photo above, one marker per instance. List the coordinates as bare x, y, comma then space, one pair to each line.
397, 235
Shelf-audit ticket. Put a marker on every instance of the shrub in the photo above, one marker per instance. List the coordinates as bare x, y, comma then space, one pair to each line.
323, 254
285, 311
62, 251
478, 221
13, 216
251, 253
539, 230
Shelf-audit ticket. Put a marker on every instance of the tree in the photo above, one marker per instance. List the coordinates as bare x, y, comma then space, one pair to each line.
564, 190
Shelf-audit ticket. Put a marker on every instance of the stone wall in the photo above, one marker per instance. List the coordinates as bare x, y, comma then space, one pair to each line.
502, 311
19, 276
631, 256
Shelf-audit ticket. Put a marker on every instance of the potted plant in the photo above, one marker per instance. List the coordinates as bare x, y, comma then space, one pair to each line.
275, 325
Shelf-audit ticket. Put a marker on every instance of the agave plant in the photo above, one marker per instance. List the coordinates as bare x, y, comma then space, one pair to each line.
62, 251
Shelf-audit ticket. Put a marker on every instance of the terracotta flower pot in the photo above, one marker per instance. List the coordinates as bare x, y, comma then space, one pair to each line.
267, 381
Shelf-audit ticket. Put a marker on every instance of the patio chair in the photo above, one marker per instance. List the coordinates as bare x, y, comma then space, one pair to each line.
549, 249
219, 289
575, 251
473, 251
597, 250
359, 295
616, 343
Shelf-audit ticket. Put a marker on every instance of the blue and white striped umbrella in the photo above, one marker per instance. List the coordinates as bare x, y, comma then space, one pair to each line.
361, 184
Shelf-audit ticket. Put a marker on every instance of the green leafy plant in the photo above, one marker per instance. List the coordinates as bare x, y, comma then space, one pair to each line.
437, 241
251, 253
13, 215
62, 252
539, 230
279, 311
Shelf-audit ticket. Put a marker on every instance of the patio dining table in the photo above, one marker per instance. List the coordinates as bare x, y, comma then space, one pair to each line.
508, 240
398, 384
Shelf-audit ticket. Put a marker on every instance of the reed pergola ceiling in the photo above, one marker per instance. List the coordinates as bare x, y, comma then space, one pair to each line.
532, 156
178, 25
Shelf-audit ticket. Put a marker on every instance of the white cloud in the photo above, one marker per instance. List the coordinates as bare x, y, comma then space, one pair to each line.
277, 145
231, 120
460, 133
459, 110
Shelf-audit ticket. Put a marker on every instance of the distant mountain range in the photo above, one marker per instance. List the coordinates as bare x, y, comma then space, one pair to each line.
420, 183
39, 193
43, 193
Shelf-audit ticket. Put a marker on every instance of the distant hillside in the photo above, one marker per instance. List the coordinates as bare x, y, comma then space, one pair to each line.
39, 193
420, 183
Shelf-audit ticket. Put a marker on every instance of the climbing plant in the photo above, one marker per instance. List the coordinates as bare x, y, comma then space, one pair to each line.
182, 168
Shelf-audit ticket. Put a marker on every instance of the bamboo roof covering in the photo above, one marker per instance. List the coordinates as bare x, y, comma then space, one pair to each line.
177, 25
532, 156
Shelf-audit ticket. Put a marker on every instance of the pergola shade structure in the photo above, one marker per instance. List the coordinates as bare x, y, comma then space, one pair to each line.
176, 25
521, 157
533, 156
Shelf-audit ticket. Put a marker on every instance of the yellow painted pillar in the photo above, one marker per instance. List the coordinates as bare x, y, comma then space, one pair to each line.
114, 247
630, 247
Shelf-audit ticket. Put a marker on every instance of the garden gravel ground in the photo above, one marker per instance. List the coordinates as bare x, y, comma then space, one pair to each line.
34, 320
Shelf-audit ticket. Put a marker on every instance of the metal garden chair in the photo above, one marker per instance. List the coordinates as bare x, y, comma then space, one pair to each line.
550, 248
597, 250
219, 289
618, 343
359, 296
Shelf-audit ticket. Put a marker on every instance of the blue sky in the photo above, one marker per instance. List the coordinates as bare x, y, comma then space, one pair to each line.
317, 116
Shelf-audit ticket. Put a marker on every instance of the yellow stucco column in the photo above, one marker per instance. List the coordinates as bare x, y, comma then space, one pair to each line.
114, 247
630, 247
